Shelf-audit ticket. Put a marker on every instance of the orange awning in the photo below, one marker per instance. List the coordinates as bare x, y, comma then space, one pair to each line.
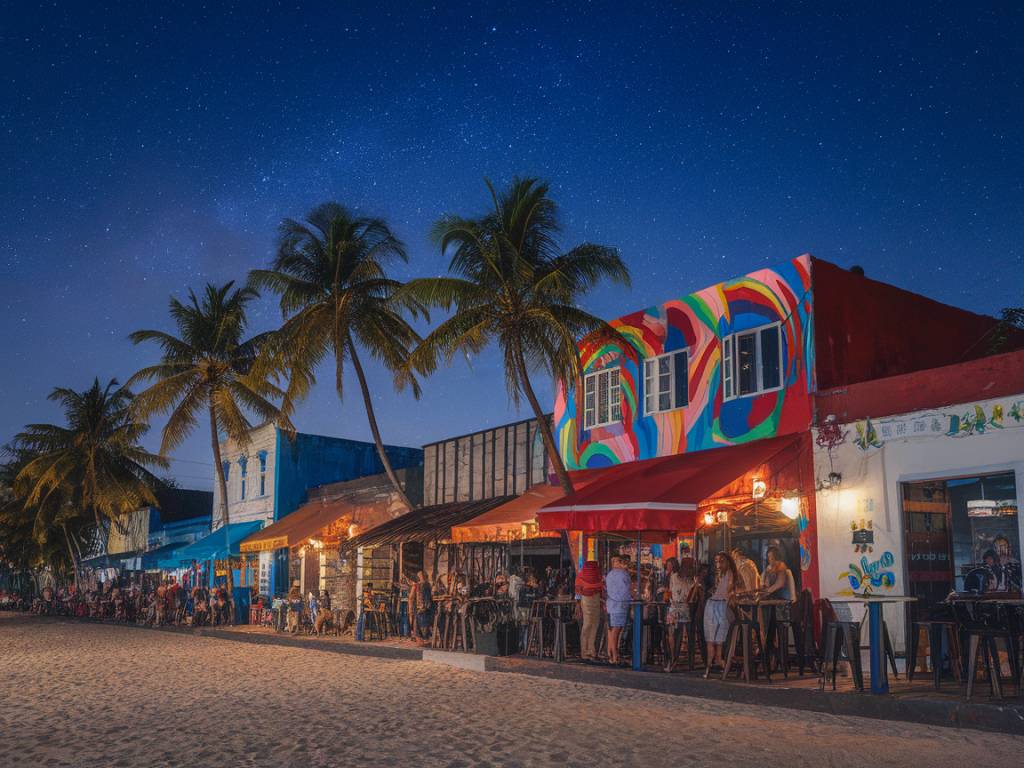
304, 523
506, 523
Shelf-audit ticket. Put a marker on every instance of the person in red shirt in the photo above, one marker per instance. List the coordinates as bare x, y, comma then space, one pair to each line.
589, 585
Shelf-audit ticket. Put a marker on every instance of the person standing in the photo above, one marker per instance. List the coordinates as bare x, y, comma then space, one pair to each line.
717, 613
424, 607
681, 585
746, 569
588, 589
617, 587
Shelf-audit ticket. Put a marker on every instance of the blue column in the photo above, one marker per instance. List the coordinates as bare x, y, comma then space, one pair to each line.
879, 678
638, 628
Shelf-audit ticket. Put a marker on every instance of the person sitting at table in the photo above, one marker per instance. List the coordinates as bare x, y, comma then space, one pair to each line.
746, 569
777, 581
717, 613
681, 587
589, 588
617, 588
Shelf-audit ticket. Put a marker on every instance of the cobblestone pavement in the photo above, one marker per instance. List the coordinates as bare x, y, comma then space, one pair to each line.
74, 694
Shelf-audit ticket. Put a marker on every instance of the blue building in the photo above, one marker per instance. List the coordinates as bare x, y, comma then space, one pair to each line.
267, 480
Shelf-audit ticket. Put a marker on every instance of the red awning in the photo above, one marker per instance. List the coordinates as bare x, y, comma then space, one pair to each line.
657, 494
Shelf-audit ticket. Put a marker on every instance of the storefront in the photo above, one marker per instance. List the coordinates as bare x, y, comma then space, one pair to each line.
922, 503
749, 496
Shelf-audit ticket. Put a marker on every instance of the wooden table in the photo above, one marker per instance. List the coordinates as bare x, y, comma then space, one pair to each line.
876, 640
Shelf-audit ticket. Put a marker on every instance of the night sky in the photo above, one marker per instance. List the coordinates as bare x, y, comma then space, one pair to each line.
150, 147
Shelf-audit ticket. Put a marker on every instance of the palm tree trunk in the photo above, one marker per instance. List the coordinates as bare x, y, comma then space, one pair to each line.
368, 402
222, 483
543, 424
71, 552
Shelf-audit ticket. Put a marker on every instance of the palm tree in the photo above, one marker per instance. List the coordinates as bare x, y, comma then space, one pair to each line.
93, 467
511, 284
208, 367
337, 300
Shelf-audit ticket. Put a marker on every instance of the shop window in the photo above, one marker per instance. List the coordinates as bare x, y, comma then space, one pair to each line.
961, 534
602, 398
665, 382
752, 362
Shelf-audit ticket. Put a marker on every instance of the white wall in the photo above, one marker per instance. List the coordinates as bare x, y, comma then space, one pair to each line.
255, 506
905, 448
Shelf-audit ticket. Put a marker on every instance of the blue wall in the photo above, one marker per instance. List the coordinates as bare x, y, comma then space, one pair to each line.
312, 460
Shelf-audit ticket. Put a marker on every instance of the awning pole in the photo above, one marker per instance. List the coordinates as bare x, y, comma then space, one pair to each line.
638, 612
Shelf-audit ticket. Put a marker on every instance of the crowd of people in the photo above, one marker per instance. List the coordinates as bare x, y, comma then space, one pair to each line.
161, 603
684, 589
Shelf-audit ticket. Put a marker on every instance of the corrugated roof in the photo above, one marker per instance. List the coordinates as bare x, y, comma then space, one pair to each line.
426, 524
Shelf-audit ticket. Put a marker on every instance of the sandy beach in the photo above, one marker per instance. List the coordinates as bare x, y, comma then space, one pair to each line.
77, 694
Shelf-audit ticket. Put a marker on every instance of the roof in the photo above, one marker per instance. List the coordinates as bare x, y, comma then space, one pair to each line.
215, 544
177, 504
984, 379
426, 524
506, 521
658, 494
107, 561
295, 528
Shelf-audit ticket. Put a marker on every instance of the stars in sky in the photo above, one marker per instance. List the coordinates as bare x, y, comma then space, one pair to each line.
147, 150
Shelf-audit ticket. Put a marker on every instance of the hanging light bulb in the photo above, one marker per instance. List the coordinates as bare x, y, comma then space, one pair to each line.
709, 518
758, 489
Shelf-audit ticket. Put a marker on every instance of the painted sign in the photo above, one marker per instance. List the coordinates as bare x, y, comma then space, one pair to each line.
977, 419
869, 575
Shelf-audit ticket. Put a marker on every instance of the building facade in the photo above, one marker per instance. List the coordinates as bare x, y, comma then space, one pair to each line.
268, 479
919, 482
742, 361
502, 461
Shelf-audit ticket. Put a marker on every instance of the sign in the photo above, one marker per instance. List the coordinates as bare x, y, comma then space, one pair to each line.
264, 545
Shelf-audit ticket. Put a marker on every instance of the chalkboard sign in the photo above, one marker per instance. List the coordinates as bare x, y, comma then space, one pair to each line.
863, 536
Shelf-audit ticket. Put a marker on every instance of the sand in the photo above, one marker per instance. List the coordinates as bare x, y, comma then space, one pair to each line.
76, 694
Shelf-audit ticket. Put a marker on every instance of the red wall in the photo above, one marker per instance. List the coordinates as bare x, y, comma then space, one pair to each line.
865, 329
983, 379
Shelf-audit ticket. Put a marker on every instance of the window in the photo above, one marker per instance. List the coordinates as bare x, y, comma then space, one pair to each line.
602, 398
263, 472
242, 461
226, 466
665, 382
752, 361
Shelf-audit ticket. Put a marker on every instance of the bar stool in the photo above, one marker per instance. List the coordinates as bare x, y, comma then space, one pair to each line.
939, 628
838, 639
842, 638
984, 630
535, 629
744, 632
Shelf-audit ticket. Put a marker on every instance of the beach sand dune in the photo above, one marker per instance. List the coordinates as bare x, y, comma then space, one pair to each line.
74, 694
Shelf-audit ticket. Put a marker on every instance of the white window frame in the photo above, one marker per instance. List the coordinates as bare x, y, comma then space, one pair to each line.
652, 377
611, 379
730, 361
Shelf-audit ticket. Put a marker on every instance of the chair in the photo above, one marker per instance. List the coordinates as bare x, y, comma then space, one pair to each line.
840, 639
941, 629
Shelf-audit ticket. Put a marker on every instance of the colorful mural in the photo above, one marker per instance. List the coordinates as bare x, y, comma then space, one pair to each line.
977, 419
697, 323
